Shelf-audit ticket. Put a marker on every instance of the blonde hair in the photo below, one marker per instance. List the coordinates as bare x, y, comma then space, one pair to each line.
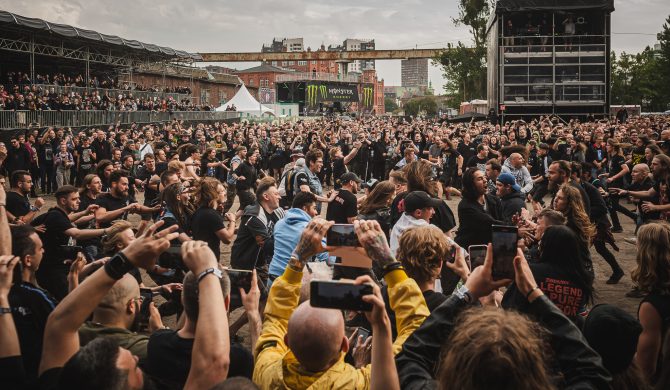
421, 250
652, 272
207, 191
493, 348
113, 238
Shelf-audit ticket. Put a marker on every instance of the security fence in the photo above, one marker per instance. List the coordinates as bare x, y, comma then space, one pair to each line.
25, 119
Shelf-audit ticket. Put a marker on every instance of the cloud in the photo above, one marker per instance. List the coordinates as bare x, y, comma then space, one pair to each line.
234, 25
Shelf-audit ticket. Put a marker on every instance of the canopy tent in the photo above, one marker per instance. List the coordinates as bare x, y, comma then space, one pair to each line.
244, 102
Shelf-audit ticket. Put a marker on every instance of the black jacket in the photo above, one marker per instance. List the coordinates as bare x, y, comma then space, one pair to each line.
475, 222
580, 365
512, 203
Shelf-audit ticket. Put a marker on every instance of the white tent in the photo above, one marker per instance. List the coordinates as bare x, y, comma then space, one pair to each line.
246, 103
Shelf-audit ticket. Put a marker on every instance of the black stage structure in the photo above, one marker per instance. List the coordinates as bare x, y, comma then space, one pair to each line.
316, 97
549, 57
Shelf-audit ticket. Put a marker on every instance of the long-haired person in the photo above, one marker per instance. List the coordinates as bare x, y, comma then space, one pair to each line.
104, 170
568, 201
177, 209
489, 348
207, 223
377, 205
561, 273
652, 275
91, 187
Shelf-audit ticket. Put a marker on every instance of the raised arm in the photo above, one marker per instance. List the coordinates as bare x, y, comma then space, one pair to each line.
10, 340
61, 340
5, 234
211, 349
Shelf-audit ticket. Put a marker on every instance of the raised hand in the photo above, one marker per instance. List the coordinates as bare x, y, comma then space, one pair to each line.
251, 299
310, 242
481, 283
523, 276
145, 249
198, 256
373, 240
7, 264
459, 266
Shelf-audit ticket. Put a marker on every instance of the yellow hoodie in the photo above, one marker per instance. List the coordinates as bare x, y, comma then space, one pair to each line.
277, 368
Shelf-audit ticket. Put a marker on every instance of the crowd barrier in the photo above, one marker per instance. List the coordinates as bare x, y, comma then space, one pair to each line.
26, 119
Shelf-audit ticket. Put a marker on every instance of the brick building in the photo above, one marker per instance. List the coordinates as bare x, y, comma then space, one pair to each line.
262, 76
369, 76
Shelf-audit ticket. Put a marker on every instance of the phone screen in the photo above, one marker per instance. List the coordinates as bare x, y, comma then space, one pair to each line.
339, 295
362, 332
477, 254
342, 235
504, 240
238, 279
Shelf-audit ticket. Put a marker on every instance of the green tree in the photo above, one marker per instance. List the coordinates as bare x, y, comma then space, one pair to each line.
421, 106
637, 79
464, 67
664, 63
390, 104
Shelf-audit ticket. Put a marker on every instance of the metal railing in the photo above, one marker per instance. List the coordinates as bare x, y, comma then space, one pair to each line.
300, 76
25, 119
64, 89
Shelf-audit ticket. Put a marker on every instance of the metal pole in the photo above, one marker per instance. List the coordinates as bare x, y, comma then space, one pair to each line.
88, 69
32, 58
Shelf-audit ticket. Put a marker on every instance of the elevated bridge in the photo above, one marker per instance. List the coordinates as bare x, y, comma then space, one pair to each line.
344, 56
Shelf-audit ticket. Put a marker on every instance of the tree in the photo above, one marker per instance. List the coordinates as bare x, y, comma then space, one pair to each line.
390, 104
465, 67
421, 106
664, 63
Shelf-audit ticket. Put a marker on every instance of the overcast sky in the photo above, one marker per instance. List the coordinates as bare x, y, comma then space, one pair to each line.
239, 26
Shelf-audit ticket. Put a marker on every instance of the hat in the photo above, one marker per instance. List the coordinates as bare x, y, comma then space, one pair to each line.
297, 152
416, 200
614, 334
507, 178
349, 176
370, 184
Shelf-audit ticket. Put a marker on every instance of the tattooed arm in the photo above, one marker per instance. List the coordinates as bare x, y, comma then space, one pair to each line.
310, 243
372, 238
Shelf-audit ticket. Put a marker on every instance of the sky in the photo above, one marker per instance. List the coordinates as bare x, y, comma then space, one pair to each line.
244, 26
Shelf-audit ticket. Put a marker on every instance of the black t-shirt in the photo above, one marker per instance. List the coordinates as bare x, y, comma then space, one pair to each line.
149, 194
111, 203
86, 160
254, 245
169, 359
31, 307
338, 170
301, 179
616, 162
450, 163
467, 151
476, 161
56, 223
17, 204
12, 372
342, 207
204, 224
249, 173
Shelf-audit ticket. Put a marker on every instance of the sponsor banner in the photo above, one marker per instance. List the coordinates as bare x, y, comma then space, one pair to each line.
330, 92
368, 95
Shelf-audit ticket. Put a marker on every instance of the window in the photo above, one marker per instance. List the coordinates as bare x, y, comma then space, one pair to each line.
251, 81
302, 63
275, 63
291, 63
283, 63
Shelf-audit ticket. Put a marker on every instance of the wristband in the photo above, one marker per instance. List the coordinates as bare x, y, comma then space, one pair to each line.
34, 209
531, 291
210, 271
5, 310
118, 266
392, 267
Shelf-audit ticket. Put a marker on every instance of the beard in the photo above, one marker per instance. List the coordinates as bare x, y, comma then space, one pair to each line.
553, 186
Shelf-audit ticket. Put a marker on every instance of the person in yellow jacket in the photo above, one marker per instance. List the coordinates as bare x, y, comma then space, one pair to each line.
302, 347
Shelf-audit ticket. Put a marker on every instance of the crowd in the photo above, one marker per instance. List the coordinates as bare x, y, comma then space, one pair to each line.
153, 206
19, 92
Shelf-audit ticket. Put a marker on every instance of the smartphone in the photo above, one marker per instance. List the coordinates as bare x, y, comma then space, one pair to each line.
342, 235
362, 332
504, 240
147, 297
339, 295
477, 255
239, 278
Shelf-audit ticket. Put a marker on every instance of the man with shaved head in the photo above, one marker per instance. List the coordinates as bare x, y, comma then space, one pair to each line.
117, 317
303, 346
515, 165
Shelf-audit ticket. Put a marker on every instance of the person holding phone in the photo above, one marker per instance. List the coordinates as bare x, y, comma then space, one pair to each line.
298, 339
477, 211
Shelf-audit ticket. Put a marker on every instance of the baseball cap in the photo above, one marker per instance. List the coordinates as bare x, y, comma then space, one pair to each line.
507, 178
370, 184
349, 176
416, 200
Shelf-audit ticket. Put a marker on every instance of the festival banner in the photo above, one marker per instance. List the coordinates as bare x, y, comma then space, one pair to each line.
316, 92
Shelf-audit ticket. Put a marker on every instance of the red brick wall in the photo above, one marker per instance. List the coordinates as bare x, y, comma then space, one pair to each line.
216, 90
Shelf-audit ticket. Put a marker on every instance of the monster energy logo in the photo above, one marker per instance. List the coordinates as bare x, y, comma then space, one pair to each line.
367, 96
313, 92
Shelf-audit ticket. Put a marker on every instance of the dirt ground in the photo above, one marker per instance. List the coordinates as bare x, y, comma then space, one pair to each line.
604, 293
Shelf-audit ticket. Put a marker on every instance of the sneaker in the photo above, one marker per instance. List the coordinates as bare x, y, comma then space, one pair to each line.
614, 279
631, 240
635, 293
